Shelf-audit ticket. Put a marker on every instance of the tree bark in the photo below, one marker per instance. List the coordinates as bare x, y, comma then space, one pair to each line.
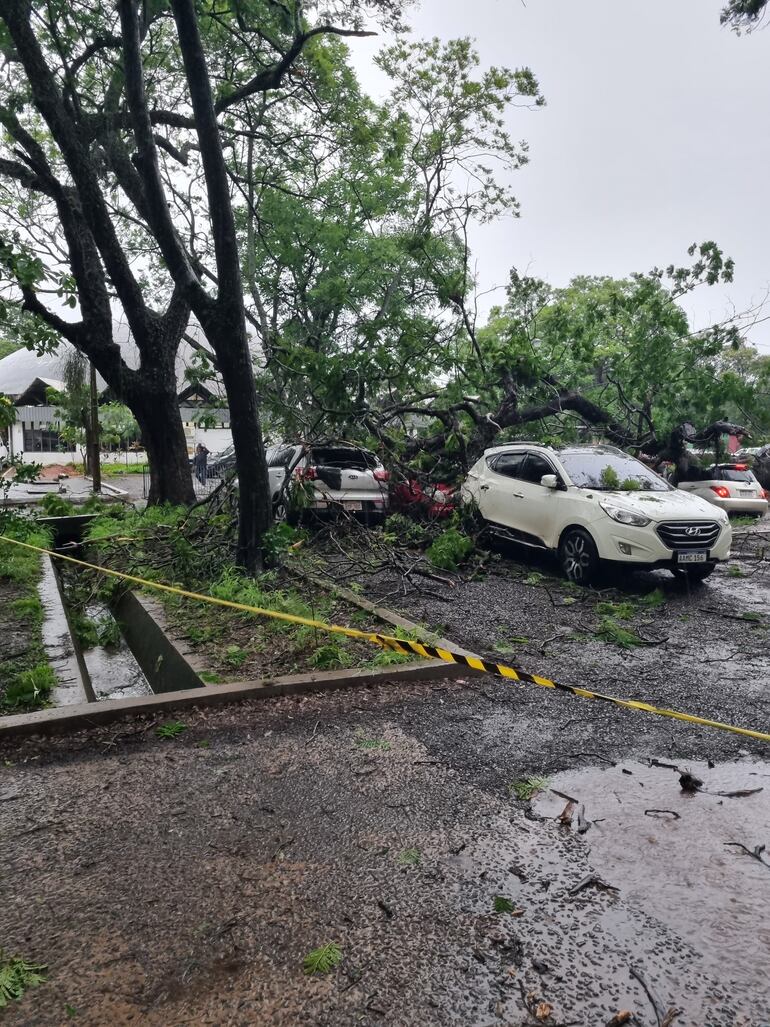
230, 343
163, 438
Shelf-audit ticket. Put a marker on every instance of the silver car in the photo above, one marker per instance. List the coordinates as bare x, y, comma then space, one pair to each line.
331, 476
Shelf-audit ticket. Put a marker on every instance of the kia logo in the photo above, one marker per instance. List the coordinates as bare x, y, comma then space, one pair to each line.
692, 531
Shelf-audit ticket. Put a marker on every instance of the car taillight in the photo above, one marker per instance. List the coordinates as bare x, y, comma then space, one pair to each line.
763, 494
740, 467
381, 474
306, 473
721, 491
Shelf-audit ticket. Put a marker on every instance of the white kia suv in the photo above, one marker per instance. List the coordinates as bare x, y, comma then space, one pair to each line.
593, 505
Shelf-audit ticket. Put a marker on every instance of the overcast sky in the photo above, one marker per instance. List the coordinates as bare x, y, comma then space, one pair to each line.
655, 135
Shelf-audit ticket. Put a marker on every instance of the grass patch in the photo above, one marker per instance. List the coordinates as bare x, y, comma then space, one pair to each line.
28, 609
653, 599
332, 656
170, 730
323, 959
16, 977
734, 571
362, 742
619, 611
409, 858
524, 790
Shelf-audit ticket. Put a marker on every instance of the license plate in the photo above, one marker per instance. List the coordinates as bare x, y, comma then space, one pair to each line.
692, 557
353, 506
746, 492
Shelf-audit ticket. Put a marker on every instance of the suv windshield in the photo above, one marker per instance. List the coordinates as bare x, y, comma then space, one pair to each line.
610, 471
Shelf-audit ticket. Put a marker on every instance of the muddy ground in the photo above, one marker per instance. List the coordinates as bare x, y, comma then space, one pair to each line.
183, 881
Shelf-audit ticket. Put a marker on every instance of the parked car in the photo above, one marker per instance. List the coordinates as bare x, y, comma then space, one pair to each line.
221, 464
334, 475
731, 487
595, 505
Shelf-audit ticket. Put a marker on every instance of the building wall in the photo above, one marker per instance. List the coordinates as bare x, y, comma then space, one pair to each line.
214, 439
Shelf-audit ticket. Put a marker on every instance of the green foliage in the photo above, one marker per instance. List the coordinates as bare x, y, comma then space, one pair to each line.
409, 858
28, 608
171, 729
210, 677
622, 611
30, 689
323, 959
524, 790
279, 538
734, 571
611, 631
332, 656
236, 656
609, 478
502, 905
96, 631
54, 506
449, 550
17, 976
653, 599
405, 531
362, 742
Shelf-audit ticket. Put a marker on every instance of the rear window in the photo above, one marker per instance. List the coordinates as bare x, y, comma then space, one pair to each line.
729, 474
342, 456
609, 471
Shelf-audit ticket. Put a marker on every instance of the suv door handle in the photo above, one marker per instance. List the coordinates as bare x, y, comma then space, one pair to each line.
516, 495
483, 488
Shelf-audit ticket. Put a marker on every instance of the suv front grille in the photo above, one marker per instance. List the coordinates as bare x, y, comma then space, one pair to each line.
688, 534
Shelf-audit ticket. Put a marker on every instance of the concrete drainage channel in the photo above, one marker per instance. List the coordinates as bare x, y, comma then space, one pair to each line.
145, 671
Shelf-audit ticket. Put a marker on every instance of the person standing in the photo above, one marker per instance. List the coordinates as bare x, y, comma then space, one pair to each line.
200, 461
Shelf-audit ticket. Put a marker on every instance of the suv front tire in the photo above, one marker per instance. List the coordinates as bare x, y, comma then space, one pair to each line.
579, 557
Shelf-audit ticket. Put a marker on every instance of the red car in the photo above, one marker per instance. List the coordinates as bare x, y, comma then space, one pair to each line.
431, 502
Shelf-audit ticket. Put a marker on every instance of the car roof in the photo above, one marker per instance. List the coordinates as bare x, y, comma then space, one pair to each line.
559, 450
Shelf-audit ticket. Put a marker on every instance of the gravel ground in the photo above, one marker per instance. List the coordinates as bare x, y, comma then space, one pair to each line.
183, 882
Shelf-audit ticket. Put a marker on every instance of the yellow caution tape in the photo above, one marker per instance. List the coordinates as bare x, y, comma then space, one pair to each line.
428, 652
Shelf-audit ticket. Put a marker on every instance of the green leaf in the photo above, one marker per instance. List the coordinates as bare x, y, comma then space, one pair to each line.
171, 729
323, 959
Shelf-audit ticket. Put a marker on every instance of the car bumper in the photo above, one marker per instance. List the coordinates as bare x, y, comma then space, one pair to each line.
747, 506
627, 544
354, 501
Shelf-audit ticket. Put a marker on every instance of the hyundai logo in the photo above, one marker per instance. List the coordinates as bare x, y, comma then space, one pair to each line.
692, 531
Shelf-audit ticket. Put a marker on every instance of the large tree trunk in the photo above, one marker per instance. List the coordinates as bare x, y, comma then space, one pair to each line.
230, 343
163, 438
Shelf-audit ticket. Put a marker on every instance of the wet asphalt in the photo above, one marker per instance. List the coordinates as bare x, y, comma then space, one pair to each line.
183, 882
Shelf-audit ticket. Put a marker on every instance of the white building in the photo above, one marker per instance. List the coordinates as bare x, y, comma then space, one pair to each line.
25, 378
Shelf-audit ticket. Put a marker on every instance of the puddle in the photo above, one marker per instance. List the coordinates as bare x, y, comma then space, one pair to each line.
676, 866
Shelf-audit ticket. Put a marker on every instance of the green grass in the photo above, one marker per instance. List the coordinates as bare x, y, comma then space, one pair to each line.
653, 599
362, 742
323, 959
332, 656
524, 790
210, 677
502, 905
409, 858
235, 656
734, 571
170, 730
16, 977
620, 611
28, 609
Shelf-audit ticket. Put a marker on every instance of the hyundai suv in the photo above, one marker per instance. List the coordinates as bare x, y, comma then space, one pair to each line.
595, 505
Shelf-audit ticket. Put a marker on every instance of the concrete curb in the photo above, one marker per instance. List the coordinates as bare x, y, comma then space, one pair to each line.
85, 715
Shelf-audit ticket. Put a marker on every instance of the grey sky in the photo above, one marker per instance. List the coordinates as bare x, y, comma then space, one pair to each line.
656, 135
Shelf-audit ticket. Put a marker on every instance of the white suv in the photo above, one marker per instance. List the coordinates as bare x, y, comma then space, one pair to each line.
592, 504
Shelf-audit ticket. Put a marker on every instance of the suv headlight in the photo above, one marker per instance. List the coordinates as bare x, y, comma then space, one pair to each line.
623, 516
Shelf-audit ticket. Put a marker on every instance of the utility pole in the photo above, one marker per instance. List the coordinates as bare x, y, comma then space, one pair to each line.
96, 468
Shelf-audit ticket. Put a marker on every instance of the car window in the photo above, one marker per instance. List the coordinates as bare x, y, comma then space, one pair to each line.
607, 470
279, 456
508, 464
731, 474
534, 468
344, 456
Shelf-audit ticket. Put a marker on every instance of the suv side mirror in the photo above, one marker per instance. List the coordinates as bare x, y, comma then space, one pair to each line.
549, 481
